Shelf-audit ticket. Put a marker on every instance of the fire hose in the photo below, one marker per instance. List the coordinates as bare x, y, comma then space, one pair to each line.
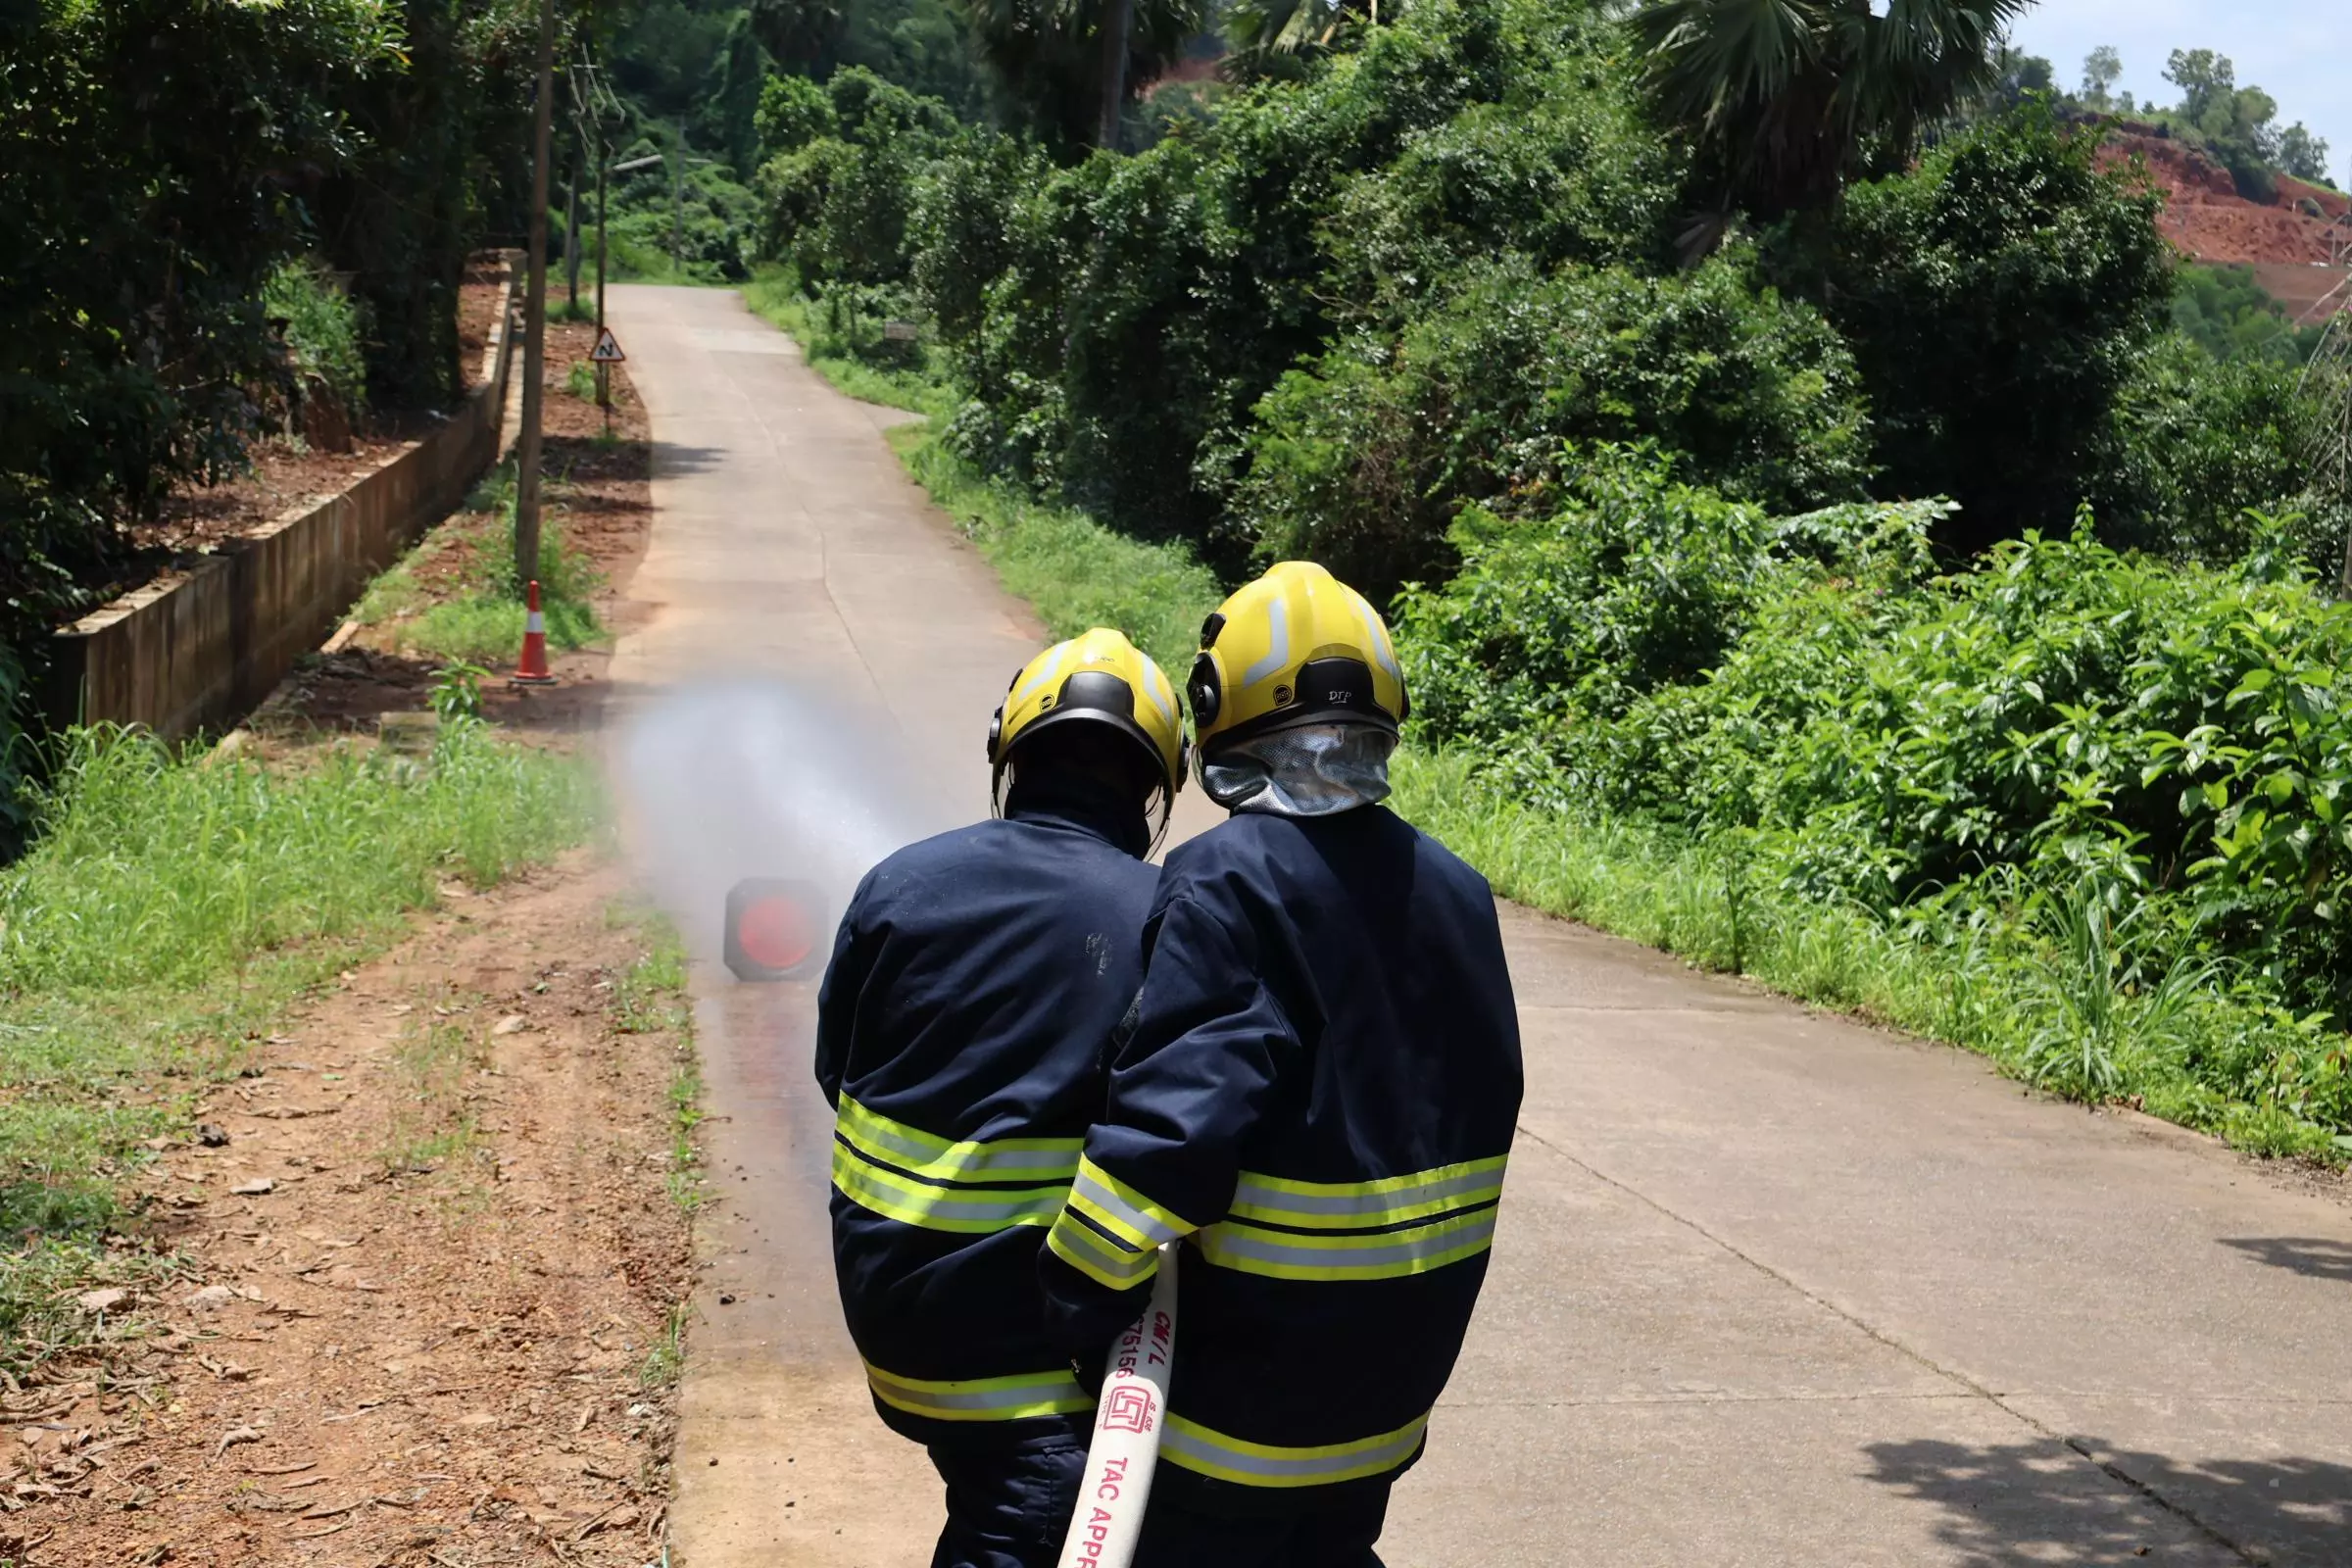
1125, 1450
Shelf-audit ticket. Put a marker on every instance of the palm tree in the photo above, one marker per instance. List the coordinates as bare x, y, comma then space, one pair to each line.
1784, 100
1063, 59
1265, 32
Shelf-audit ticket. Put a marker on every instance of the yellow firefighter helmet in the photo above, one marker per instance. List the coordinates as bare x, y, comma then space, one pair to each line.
1296, 647
1098, 678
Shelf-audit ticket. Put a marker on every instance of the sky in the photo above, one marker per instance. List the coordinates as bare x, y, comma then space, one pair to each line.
2298, 51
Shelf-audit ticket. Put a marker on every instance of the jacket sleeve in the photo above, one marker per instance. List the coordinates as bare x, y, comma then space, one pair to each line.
1209, 1045
837, 1002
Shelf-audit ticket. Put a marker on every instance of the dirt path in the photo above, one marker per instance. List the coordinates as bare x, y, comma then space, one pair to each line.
426, 1311
433, 1245
1769, 1288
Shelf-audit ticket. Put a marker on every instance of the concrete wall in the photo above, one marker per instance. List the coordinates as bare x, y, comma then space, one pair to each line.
198, 649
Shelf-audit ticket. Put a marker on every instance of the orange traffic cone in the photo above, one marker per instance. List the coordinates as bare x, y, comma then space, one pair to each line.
533, 670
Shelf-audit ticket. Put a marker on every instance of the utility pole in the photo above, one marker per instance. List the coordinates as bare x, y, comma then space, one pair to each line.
572, 229
677, 203
534, 333
1116, 17
600, 232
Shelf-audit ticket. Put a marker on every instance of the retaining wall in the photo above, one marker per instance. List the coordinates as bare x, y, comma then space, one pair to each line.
198, 649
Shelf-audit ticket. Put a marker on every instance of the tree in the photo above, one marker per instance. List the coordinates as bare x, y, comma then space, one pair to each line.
158, 162
1998, 299
2303, 154
1785, 100
1267, 36
2102, 69
2207, 81
2237, 123
803, 35
1049, 57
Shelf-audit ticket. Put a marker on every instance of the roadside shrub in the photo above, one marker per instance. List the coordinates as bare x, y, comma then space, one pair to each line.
1116, 322
2200, 446
2059, 710
324, 328
1362, 460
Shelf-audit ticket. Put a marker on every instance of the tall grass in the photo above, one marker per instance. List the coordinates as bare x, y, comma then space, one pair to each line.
172, 905
2050, 992
776, 296
1074, 570
483, 623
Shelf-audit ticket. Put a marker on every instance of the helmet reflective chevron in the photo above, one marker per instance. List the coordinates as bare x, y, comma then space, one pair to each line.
1098, 678
1296, 647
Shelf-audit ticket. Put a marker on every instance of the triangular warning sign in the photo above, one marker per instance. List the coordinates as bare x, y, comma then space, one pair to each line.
608, 349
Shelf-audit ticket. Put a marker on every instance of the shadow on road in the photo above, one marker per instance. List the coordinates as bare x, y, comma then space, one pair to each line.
2312, 1256
672, 459
2046, 1502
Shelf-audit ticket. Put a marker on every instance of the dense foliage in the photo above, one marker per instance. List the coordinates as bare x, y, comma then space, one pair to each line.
2225, 311
1998, 298
2058, 727
177, 182
154, 160
1329, 314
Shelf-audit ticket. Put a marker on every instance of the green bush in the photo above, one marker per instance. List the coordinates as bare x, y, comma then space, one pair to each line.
2226, 313
2061, 710
840, 192
1996, 298
1115, 323
1362, 460
2198, 445
148, 151
324, 328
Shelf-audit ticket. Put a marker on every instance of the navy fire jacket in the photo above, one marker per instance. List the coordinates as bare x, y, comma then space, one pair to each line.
963, 1037
1316, 1093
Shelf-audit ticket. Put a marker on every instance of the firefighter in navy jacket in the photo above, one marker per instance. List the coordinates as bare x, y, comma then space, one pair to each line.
1315, 1093
962, 1035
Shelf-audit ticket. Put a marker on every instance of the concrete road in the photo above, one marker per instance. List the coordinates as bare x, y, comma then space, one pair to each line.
1771, 1288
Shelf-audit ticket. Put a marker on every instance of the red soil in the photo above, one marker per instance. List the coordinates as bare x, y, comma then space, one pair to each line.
2210, 222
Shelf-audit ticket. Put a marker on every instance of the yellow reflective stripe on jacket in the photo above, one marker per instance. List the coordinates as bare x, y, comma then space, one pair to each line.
1127, 1214
976, 1211
1104, 1259
1353, 1206
933, 1159
1260, 1465
1011, 1399
1379, 1255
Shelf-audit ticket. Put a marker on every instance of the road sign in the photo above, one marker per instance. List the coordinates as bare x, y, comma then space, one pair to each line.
900, 331
608, 349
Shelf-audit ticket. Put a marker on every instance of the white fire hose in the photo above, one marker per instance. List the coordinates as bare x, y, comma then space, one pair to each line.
1125, 1450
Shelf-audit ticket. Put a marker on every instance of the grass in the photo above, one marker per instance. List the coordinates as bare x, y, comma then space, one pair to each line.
482, 622
442, 1046
171, 910
773, 295
649, 998
664, 1362
2045, 995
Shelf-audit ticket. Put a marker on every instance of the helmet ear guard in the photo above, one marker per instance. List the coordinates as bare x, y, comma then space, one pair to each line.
996, 732
1205, 691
